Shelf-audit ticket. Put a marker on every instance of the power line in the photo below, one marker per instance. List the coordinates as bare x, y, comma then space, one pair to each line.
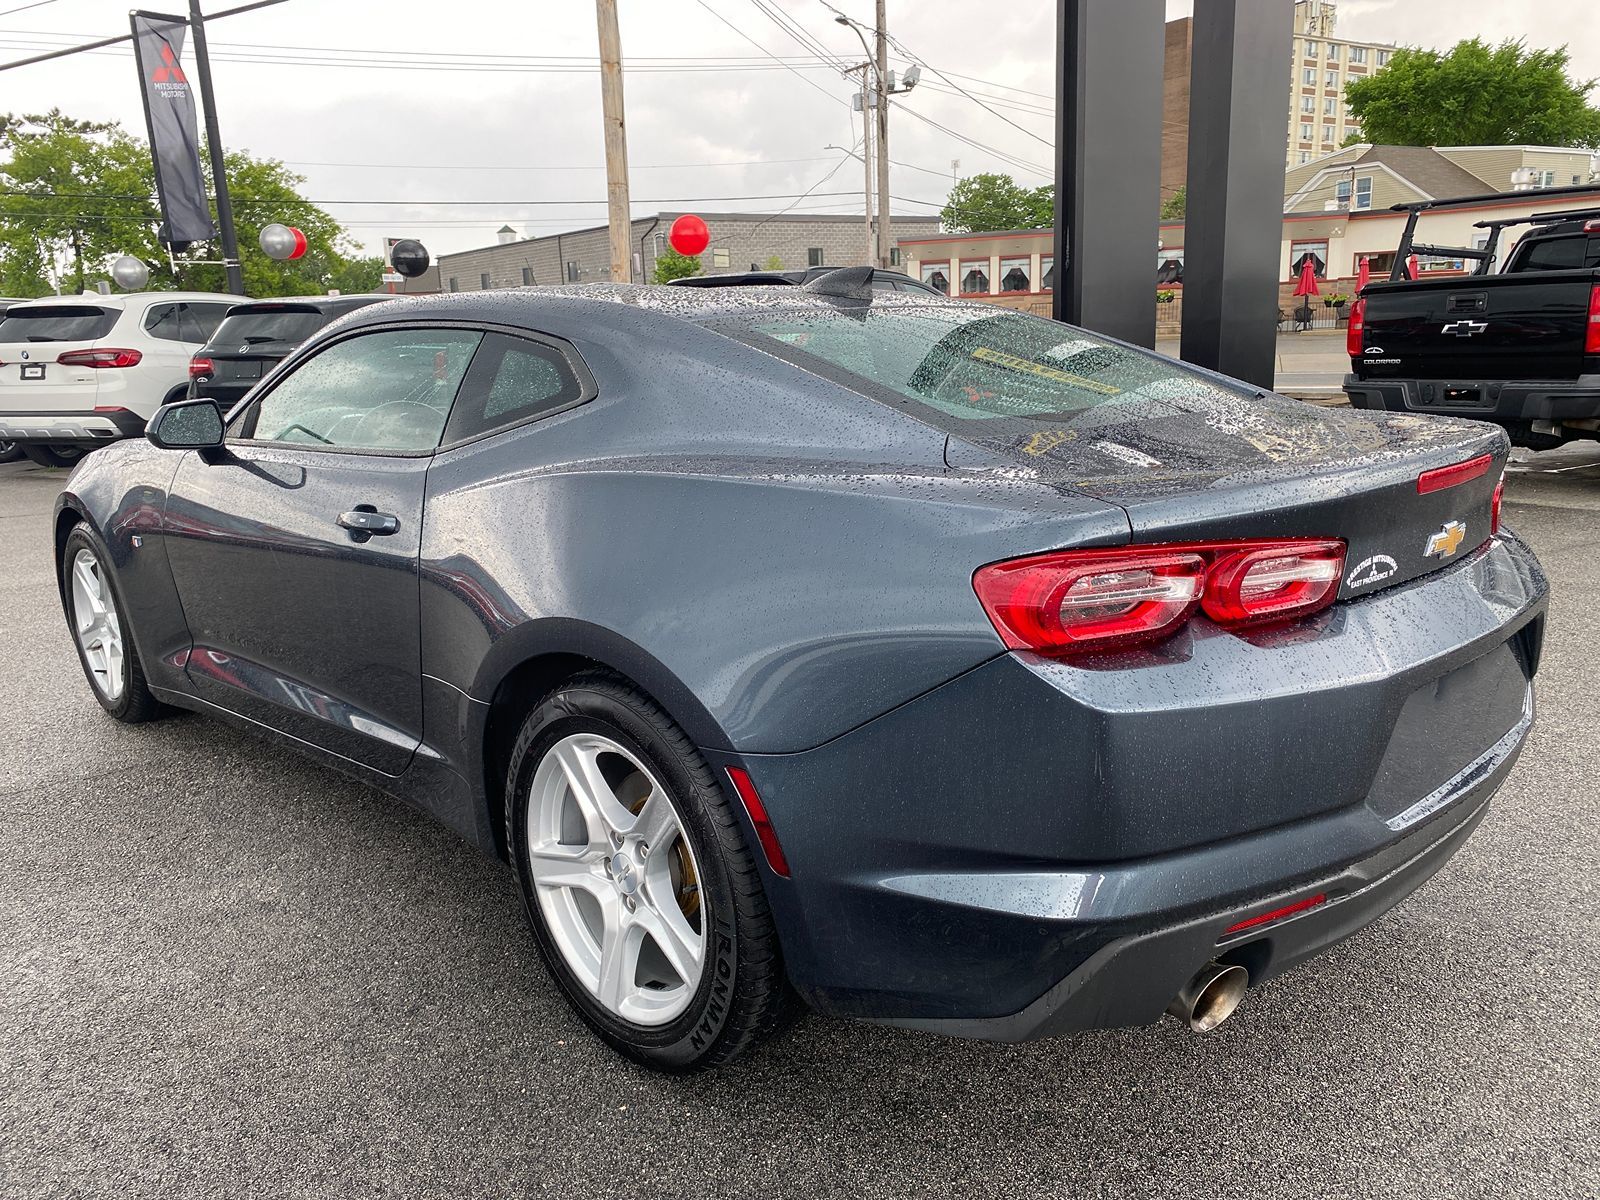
809, 82
25, 7
126, 37
976, 145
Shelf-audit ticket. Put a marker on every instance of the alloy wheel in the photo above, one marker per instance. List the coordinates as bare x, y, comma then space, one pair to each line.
95, 624
616, 879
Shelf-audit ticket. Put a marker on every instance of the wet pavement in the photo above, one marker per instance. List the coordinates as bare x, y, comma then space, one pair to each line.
229, 972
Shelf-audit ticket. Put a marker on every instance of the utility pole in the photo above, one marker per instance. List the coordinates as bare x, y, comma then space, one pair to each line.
863, 98
219, 169
618, 210
882, 81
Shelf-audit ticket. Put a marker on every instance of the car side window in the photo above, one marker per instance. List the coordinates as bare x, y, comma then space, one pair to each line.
183, 321
388, 391
512, 380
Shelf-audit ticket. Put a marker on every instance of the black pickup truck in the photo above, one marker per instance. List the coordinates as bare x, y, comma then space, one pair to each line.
1520, 347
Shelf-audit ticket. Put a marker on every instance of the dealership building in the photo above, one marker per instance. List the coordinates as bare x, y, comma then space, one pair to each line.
739, 242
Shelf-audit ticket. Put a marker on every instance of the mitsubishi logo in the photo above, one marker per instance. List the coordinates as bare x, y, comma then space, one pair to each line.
1447, 541
170, 71
1465, 328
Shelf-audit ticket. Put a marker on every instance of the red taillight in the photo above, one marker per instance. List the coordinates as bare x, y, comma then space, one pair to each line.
1277, 914
1353, 336
765, 834
1494, 506
107, 357
1075, 601
1440, 478
1267, 582
1591, 332
201, 368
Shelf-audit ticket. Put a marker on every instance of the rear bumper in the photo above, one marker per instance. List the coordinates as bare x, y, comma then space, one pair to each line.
86, 429
1038, 847
1498, 400
1131, 979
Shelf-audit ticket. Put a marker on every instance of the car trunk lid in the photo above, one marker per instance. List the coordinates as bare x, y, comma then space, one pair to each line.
1208, 463
32, 339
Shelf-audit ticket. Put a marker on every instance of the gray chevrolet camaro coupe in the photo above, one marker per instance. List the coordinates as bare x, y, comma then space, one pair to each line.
921, 661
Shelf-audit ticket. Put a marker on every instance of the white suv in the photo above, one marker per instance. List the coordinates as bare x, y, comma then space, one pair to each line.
79, 371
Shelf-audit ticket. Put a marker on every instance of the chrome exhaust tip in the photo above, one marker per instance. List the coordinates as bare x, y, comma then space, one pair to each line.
1209, 999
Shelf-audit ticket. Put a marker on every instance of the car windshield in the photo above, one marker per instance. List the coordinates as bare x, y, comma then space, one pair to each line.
972, 365
57, 323
265, 327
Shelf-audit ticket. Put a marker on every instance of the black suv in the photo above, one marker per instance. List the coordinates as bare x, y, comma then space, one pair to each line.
253, 338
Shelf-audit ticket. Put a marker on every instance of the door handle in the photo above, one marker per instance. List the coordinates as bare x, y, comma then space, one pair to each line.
364, 523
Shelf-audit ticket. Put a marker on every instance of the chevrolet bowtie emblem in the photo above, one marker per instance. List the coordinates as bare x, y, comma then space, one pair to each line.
1465, 328
1447, 541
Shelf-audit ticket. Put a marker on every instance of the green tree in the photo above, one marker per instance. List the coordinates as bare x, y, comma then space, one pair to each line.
774, 263
671, 265
352, 276
986, 203
74, 195
1475, 95
1172, 208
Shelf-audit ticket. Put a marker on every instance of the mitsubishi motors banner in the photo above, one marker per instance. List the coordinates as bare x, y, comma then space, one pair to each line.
174, 133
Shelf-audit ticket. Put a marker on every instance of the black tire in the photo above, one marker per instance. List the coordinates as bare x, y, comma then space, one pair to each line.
10, 452
134, 702
53, 456
743, 995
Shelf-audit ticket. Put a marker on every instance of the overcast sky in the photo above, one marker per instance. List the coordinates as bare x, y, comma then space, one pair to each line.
496, 102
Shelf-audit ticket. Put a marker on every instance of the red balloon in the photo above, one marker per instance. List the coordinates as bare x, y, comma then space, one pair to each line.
299, 243
689, 235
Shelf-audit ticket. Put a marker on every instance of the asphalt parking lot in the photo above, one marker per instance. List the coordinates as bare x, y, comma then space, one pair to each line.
227, 971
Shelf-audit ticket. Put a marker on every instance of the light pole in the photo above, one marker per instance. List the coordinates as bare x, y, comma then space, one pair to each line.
876, 97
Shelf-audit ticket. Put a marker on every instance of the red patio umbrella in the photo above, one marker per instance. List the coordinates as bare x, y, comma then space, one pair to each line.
1363, 274
1308, 278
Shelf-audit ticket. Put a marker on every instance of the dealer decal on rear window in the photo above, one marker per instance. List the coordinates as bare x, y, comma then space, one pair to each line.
1010, 361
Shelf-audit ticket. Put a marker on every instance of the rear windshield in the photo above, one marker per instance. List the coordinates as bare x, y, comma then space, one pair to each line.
971, 365
58, 323
270, 328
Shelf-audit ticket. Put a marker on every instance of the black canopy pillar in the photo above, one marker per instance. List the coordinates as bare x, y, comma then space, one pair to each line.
1233, 223
1108, 164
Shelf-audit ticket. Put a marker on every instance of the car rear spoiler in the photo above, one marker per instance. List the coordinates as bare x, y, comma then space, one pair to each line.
1483, 257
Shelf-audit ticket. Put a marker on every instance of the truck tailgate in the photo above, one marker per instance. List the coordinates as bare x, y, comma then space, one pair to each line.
1528, 326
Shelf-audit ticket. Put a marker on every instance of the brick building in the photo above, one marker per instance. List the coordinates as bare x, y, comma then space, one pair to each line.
739, 242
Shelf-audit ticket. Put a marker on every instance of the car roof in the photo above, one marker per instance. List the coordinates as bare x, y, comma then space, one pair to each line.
122, 300
523, 306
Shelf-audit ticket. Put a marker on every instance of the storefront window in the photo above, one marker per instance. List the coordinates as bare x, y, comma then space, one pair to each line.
1014, 275
975, 277
1047, 273
937, 275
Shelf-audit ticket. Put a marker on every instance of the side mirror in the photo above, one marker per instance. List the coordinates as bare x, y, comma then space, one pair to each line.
186, 425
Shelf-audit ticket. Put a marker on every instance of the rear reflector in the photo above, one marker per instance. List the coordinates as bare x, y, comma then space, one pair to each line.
1440, 478
107, 357
1494, 506
1080, 601
1277, 914
109, 408
757, 812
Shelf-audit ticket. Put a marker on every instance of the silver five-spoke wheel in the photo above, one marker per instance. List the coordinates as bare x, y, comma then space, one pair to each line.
616, 879
95, 624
